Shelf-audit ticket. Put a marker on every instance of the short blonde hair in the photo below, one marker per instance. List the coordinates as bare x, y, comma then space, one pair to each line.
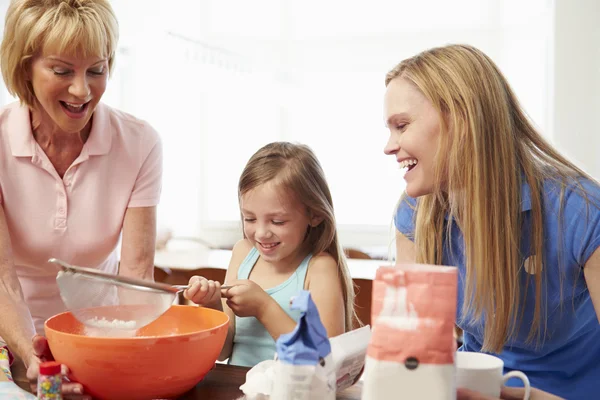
74, 27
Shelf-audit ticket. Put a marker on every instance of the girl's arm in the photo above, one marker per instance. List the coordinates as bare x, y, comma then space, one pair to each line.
275, 320
324, 284
247, 298
240, 250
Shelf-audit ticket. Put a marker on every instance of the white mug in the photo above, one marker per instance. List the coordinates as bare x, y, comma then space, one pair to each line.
483, 373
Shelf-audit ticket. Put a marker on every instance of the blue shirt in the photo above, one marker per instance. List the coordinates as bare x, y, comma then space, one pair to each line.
567, 362
252, 342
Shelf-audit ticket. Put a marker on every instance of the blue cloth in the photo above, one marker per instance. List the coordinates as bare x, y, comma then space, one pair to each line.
567, 362
252, 343
308, 342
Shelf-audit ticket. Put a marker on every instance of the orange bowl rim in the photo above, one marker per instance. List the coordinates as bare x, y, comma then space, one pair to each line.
174, 336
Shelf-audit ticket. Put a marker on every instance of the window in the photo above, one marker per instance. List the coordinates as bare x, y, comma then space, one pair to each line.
218, 85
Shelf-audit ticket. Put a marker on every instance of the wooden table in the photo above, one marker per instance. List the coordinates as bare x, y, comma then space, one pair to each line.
224, 381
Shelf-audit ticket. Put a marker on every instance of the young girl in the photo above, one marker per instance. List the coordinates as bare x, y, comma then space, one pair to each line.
486, 193
290, 243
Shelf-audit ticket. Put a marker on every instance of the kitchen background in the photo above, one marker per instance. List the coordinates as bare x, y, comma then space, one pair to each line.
218, 79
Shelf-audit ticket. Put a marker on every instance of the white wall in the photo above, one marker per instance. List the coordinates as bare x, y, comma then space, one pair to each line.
575, 103
325, 51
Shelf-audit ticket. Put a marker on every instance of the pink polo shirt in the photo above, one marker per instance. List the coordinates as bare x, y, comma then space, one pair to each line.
78, 218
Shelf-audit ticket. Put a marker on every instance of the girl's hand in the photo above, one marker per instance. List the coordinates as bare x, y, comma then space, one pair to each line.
41, 353
246, 298
204, 292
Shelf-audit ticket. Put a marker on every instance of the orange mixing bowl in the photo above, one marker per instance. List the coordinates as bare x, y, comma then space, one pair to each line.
165, 359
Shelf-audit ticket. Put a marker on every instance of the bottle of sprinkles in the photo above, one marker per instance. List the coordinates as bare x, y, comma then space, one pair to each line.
49, 381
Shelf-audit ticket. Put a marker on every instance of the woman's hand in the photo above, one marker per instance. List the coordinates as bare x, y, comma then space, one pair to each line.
508, 393
204, 292
247, 299
41, 353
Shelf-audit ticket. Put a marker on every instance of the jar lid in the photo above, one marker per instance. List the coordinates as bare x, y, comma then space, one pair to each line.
49, 368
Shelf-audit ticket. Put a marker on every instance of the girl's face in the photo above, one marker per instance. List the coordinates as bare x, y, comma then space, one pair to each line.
275, 222
414, 126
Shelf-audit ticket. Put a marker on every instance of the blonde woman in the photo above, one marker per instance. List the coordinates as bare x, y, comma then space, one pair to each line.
75, 174
485, 192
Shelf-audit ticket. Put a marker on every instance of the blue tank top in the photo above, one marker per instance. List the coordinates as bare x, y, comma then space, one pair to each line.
252, 343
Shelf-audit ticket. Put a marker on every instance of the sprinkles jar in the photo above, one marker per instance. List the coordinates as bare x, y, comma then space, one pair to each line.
49, 381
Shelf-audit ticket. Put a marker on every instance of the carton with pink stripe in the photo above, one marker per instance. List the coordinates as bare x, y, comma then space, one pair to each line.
412, 347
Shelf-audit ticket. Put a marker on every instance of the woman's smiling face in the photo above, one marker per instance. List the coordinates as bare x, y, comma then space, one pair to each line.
414, 126
67, 89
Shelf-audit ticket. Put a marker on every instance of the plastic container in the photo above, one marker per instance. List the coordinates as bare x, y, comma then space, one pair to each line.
49, 385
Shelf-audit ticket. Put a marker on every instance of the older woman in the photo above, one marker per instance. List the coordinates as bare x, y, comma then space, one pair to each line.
75, 174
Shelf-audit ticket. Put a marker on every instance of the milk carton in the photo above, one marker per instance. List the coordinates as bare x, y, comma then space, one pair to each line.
412, 347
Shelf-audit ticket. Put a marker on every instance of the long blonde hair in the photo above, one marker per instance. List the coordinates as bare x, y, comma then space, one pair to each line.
487, 149
296, 169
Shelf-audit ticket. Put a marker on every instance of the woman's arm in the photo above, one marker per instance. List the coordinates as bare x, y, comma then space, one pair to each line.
16, 324
405, 249
138, 245
508, 393
591, 273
